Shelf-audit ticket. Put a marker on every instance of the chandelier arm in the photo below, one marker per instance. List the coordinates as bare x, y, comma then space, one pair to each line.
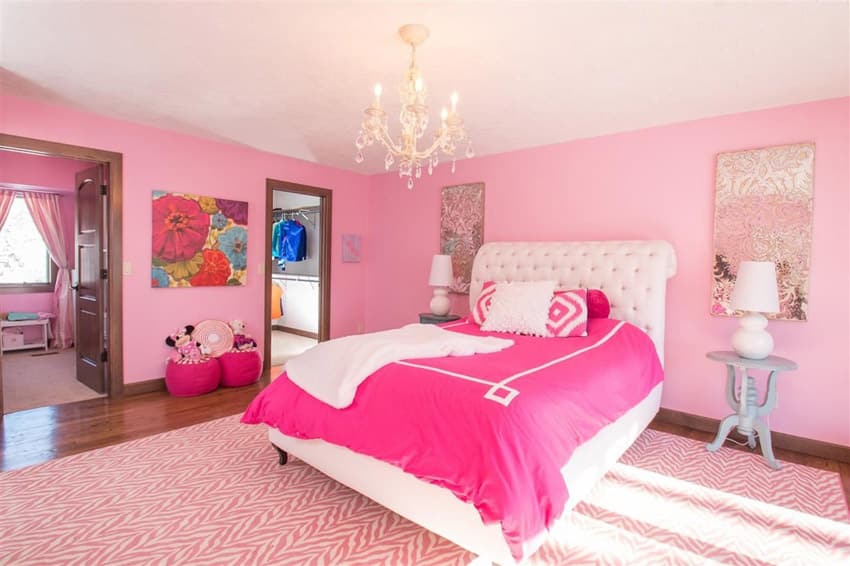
383, 136
427, 152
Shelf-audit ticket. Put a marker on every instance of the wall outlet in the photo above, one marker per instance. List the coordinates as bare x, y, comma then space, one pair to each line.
360, 327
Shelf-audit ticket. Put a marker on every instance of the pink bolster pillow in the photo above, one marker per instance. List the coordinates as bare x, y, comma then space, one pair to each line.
598, 305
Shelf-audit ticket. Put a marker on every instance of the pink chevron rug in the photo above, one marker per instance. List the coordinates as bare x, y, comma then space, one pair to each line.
214, 494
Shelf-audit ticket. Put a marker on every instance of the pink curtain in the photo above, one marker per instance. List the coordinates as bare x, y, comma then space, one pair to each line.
44, 209
6, 199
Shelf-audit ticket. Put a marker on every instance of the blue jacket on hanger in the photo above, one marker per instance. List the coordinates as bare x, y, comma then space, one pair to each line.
294, 241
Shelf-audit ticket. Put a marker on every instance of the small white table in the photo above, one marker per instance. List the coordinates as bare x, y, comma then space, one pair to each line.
45, 333
747, 413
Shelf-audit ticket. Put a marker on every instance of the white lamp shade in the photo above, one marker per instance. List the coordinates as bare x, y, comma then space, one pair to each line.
441, 271
755, 287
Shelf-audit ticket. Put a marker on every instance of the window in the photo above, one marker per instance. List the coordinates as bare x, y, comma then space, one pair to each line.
25, 263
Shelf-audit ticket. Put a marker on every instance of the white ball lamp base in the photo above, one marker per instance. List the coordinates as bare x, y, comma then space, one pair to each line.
440, 302
752, 340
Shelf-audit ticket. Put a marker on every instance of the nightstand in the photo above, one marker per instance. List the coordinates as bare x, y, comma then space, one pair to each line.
743, 398
428, 318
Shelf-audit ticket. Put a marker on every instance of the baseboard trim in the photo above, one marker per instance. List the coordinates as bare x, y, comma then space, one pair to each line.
142, 387
305, 333
780, 440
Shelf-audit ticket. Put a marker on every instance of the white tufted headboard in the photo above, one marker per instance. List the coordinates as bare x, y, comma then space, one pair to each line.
632, 274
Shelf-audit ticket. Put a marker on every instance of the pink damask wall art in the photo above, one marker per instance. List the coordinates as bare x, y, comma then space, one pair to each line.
462, 230
763, 212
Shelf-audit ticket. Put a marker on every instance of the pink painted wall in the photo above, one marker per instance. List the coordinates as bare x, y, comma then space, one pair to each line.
50, 173
653, 183
164, 160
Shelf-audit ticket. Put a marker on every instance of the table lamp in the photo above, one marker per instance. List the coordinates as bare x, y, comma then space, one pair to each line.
440, 279
755, 293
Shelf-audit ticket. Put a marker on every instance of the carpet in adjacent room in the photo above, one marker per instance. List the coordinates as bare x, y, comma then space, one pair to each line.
39, 379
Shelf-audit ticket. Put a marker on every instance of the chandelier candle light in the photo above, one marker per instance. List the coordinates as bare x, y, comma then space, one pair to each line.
414, 122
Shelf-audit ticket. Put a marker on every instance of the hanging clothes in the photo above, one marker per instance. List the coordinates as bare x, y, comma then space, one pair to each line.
289, 242
294, 241
277, 233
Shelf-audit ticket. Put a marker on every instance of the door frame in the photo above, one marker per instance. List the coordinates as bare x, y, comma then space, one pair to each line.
114, 162
326, 196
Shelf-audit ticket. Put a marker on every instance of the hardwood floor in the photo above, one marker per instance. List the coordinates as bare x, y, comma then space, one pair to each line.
841, 468
38, 435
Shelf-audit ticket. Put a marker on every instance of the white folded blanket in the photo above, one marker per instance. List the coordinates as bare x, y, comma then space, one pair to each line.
331, 371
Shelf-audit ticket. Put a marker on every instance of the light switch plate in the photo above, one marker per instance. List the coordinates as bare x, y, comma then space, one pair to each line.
127, 268
261, 268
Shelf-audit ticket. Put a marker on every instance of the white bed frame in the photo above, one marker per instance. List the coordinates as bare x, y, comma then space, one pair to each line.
634, 276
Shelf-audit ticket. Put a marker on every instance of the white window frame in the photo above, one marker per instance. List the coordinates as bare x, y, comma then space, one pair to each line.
26, 287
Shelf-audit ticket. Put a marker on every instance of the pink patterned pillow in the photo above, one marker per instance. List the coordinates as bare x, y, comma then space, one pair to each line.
568, 314
482, 304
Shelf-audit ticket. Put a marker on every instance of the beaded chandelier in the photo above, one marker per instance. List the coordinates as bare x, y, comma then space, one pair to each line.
414, 121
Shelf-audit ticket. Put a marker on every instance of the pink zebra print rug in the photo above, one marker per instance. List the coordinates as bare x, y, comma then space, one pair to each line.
214, 494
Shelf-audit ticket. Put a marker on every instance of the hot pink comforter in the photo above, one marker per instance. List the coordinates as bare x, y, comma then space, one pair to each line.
495, 429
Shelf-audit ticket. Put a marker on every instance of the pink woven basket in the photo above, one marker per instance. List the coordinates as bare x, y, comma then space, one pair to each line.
191, 379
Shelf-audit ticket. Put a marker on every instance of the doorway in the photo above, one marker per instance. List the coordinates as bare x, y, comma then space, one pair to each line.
297, 270
89, 342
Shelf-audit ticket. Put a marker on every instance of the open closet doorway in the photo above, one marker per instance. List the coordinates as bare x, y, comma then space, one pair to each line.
59, 243
297, 290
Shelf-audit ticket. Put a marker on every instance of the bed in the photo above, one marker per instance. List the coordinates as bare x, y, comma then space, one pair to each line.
632, 274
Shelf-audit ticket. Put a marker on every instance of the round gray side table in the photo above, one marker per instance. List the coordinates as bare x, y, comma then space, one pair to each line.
743, 398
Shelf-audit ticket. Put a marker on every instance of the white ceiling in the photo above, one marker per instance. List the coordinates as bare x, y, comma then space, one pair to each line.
293, 78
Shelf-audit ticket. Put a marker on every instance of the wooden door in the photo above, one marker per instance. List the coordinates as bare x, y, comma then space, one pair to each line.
91, 275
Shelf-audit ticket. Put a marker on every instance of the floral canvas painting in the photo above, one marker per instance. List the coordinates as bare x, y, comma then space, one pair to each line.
198, 241
462, 230
763, 212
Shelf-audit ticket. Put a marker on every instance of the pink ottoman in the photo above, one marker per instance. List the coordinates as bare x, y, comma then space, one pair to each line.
240, 368
191, 379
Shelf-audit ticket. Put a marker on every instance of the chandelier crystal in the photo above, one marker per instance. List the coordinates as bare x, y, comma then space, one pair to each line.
414, 122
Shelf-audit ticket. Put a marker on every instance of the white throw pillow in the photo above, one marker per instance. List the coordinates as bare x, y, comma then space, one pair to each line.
520, 307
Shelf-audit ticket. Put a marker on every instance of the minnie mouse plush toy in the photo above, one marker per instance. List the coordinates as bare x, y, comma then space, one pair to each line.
186, 350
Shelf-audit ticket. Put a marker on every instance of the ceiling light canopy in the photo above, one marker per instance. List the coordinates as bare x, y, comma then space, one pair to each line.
414, 121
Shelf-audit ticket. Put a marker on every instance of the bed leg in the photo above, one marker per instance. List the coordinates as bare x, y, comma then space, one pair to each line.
282, 456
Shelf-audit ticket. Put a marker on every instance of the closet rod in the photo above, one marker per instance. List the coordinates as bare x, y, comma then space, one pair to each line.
307, 209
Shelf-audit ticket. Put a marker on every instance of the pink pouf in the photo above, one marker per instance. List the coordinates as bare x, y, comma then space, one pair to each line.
191, 379
240, 368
